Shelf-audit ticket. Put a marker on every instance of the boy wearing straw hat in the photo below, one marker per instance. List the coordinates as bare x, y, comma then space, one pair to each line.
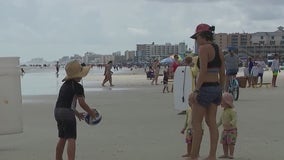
229, 122
65, 111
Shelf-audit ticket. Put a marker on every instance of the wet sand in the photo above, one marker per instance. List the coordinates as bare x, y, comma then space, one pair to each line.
140, 123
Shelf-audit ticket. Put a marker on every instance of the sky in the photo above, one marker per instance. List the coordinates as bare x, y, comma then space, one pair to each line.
51, 29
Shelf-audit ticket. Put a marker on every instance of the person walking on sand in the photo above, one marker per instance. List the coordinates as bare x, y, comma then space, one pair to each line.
275, 69
229, 122
208, 90
156, 68
65, 111
166, 80
108, 74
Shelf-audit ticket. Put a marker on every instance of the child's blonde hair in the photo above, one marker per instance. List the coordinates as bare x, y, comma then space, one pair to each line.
188, 60
228, 99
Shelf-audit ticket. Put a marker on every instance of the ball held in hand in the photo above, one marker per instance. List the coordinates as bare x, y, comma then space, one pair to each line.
93, 121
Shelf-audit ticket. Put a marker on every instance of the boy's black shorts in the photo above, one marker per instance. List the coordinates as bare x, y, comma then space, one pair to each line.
66, 123
67, 129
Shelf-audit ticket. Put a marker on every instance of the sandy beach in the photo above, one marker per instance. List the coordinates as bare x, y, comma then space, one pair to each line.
140, 123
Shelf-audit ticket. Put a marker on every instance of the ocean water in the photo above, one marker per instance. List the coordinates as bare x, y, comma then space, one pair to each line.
40, 82
44, 81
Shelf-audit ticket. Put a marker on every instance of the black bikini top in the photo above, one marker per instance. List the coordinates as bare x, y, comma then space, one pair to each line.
216, 62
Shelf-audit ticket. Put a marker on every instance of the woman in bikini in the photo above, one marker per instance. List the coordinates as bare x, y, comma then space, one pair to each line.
208, 92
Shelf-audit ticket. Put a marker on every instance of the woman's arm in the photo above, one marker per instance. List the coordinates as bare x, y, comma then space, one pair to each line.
222, 70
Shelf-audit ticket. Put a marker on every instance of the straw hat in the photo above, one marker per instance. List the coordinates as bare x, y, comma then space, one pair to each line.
228, 99
74, 69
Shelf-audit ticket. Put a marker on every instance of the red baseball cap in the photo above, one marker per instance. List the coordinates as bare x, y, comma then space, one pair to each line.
201, 28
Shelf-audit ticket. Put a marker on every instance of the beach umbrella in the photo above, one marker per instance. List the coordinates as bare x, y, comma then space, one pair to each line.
167, 60
170, 59
179, 57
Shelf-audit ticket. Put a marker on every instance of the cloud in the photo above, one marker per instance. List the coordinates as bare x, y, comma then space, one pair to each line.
184, 1
244, 2
55, 28
262, 13
138, 31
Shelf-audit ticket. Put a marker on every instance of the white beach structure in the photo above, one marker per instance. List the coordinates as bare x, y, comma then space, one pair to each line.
11, 120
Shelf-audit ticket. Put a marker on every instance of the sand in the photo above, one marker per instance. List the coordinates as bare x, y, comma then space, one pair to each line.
140, 123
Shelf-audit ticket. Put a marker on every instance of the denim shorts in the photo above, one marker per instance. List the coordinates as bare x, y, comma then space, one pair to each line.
209, 93
231, 72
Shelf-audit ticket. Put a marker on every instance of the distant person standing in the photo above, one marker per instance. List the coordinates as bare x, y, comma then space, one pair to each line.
108, 74
176, 63
166, 80
231, 66
156, 69
247, 74
250, 65
254, 74
260, 65
275, 69
174, 66
23, 71
57, 66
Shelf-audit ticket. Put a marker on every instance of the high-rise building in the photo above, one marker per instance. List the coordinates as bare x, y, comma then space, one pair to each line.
129, 55
222, 40
148, 52
253, 44
117, 53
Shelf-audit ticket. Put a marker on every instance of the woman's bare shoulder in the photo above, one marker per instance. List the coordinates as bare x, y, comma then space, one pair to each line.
206, 48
